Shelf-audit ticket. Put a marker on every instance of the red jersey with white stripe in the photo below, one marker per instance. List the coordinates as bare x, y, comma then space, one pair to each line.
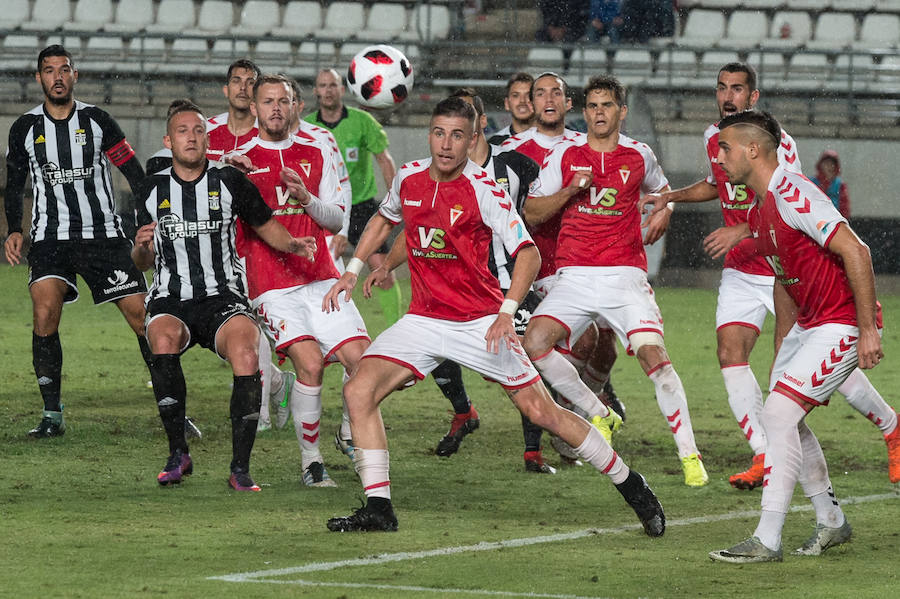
601, 226
449, 228
736, 200
315, 133
536, 146
221, 139
792, 229
267, 268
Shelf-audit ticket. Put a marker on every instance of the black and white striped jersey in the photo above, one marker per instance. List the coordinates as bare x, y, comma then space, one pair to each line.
514, 172
195, 231
69, 161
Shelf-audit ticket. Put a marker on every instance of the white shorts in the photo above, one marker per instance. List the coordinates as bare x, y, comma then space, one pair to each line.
420, 344
543, 286
615, 297
295, 314
744, 300
812, 363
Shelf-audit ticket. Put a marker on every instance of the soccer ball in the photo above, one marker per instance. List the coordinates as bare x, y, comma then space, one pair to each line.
380, 76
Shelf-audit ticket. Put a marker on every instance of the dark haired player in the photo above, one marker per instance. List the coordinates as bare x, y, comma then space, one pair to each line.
517, 102
452, 210
69, 148
187, 216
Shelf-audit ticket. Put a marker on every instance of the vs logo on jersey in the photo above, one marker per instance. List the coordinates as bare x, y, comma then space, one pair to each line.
432, 237
737, 194
284, 196
606, 197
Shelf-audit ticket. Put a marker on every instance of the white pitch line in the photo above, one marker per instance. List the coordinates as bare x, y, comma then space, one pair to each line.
384, 558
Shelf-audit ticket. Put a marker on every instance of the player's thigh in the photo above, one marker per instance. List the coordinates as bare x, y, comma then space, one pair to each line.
744, 300
375, 378
465, 344
308, 361
132, 308
349, 353
413, 342
237, 340
47, 298
812, 363
167, 332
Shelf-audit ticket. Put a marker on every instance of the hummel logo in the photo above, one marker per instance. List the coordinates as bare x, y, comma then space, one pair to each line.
118, 278
575, 167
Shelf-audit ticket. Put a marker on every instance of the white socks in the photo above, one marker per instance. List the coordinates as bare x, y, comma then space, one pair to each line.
672, 402
867, 401
746, 402
563, 377
596, 451
306, 408
373, 466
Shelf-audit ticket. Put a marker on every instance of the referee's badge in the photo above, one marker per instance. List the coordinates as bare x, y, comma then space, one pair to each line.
80, 137
213, 198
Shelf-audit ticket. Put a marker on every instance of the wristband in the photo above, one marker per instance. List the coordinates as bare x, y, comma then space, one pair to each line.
509, 306
354, 265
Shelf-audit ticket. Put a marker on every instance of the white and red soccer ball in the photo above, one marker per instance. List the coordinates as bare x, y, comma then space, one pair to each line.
380, 76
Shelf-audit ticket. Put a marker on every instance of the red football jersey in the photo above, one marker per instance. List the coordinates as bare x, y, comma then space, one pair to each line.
449, 228
536, 146
601, 226
268, 268
792, 230
221, 139
736, 200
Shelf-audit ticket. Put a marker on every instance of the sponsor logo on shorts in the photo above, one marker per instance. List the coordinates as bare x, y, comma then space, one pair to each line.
54, 175
513, 379
793, 380
118, 278
172, 227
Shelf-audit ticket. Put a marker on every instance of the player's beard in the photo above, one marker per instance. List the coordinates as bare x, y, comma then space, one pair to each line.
57, 100
281, 133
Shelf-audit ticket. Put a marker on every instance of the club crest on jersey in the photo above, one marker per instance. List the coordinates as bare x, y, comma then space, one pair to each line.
80, 137
213, 199
772, 235
305, 166
455, 213
624, 172
504, 183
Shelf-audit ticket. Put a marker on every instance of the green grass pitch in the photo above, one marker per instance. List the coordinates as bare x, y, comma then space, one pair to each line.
82, 515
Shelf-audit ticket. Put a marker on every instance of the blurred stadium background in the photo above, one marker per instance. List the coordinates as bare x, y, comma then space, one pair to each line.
834, 82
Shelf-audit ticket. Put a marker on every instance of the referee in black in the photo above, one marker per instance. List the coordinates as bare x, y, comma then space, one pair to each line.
69, 148
187, 216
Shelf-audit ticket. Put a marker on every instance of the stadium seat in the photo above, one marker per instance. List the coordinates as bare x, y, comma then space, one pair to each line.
48, 15
545, 58
834, 31
427, 22
101, 47
769, 65
711, 62
887, 6
386, 21
300, 19
851, 71
746, 28
312, 56
800, 30
258, 17
348, 50
343, 20
761, 4
703, 28
878, 31
854, 5
131, 16
215, 18
807, 71
90, 15
272, 51
189, 49
229, 49
718, 4
173, 16
595, 59
15, 12
812, 5
147, 48
632, 65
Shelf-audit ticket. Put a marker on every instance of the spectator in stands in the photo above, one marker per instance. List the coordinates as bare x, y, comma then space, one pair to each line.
605, 19
562, 21
828, 178
643, 19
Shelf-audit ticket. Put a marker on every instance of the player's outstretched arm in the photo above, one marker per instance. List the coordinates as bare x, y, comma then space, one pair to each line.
143, 251
274, 234
503, 330
719, 242
377, 230
657, 223
701, 191
858, 267
395, 258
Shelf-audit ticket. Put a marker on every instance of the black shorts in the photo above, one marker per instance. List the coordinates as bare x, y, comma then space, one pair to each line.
359, 217
104, 264
523, 314
202, 317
